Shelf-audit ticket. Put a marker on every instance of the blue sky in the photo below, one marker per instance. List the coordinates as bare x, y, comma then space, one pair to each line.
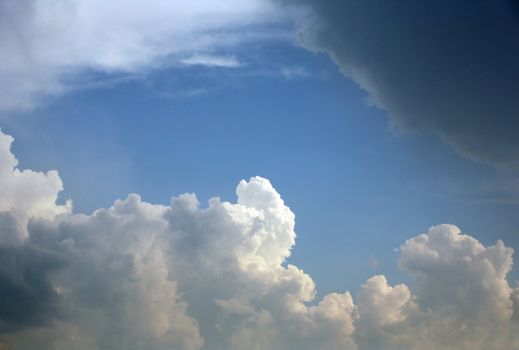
358, 188
352, 113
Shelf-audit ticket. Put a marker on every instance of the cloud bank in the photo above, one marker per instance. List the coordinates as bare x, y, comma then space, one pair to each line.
146, 276
447, 67
47, 45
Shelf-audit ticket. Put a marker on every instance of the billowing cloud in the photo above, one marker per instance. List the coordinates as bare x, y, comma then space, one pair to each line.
447, 67
462, 299
147, 276
47, 45
25, 194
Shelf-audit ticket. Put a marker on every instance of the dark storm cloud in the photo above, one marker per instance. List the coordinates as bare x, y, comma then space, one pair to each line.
449, 67
26, 296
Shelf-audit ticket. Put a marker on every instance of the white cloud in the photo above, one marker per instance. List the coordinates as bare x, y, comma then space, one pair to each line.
148, 276
25, 194
212, 61
462, 299
290, 73
46, 45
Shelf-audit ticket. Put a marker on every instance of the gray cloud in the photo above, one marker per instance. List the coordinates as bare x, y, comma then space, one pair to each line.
450, 68
26, 296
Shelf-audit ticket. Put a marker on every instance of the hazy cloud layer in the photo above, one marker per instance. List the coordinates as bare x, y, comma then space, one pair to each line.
449, 67
147, 276
47, 44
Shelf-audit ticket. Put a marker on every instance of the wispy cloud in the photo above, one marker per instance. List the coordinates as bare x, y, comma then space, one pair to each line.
46, 46
212, 61
296, 72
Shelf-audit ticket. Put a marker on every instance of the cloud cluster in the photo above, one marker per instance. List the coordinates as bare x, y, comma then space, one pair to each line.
46, 45
446, 67
148, 276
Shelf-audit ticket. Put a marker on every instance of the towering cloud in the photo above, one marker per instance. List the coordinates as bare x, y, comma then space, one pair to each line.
448, 67
185, 276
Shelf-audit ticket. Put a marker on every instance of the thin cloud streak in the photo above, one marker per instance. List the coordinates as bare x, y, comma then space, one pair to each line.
212, 61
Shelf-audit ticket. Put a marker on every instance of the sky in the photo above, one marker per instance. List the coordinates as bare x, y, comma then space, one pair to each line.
259, 175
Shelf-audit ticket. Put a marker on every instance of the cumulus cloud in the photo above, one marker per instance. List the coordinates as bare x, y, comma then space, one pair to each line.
446, 67
147, 276
462, 299
47, 45
25, 194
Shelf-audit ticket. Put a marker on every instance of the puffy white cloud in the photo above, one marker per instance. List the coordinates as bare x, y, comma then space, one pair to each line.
476, 274
383, 313
47, 45
462, 299
24, 194
148, 276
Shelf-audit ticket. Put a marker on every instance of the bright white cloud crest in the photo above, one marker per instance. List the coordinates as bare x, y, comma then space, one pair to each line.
25, 194
146, 276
